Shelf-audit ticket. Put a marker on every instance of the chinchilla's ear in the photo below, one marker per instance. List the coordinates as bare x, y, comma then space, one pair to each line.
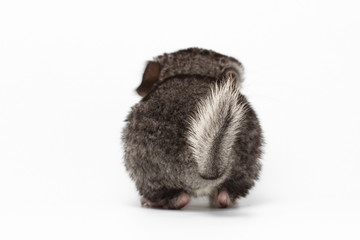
234, 75
150, 76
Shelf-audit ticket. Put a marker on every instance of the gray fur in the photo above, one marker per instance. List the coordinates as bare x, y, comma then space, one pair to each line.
158, 154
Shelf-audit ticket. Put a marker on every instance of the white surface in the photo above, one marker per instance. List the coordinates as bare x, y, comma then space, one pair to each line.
67, 74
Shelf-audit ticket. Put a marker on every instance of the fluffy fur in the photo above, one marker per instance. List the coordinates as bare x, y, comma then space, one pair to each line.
193, 133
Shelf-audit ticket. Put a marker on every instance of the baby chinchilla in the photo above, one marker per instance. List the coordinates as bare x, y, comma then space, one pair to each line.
193, 133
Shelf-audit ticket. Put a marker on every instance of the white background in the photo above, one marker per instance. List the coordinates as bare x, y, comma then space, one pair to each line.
68, 70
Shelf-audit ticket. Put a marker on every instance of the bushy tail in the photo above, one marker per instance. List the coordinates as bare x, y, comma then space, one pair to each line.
213, 129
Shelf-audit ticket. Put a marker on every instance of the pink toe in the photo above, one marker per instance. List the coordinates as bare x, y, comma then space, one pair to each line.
223, 198
182, 200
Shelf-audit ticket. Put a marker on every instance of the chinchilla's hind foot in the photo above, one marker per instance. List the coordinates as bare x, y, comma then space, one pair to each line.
221, 199
176, 202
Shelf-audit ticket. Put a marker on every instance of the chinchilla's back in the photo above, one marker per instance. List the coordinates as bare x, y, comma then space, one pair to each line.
183, 133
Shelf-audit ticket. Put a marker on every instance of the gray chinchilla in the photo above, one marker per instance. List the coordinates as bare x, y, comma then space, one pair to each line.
193, 133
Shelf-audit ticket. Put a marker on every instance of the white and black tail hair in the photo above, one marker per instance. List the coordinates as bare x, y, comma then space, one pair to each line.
213, 128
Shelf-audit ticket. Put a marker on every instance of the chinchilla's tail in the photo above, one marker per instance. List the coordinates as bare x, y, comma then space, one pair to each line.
213, 129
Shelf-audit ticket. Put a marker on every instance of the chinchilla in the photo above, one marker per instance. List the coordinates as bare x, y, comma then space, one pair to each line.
193, 133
